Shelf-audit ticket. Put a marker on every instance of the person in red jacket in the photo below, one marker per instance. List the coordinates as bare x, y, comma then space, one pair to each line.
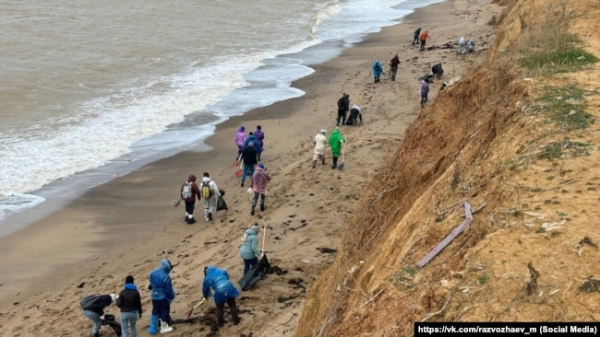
394, 62
424, 37
189, 192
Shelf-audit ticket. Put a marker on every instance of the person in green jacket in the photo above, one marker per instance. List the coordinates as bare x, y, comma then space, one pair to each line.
335, 142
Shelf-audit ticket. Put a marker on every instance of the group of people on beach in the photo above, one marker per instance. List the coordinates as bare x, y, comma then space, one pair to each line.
216, 284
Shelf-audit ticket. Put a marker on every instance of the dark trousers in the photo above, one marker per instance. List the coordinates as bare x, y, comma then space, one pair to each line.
393, 72
415, 40
335, 159
423, 99
258, 156
422, 45
232, 309
189, 207
161, 308
249, 263
341, 117
262, 201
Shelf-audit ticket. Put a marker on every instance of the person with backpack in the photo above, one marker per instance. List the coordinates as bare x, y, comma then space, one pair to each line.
424, 38
249, 250
210, 193
260, 136
355, 116
377, 70
225, 292
259, 186
162, 295
335, 142
252, 139
249, 158
394, 62
320, 147
93, 308
240, 138
343, 104
130, 303
416, 36
189, 192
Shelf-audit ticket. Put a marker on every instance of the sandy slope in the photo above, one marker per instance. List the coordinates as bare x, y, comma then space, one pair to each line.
127, 226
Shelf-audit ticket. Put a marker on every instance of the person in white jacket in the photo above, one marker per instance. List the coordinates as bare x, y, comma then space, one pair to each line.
210, 193
320, 147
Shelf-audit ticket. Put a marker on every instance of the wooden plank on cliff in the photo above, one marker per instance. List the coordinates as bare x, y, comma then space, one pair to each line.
449, 238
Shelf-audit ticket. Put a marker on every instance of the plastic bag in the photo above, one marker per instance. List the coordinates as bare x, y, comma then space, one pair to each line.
250, 190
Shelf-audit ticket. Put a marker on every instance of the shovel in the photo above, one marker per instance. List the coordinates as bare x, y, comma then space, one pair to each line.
238, 173
189, 314
176, 203
341, 165
237, 161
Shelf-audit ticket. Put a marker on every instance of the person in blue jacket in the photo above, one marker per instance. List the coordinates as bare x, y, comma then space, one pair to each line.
218, 280
249, 250
257, 145
377, 70
162, 296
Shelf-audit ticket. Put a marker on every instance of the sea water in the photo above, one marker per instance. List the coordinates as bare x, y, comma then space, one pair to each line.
91, 90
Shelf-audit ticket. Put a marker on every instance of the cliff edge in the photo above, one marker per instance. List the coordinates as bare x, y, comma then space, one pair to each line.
515, 138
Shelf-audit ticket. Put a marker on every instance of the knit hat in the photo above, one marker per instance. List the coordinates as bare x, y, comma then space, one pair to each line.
205, 174
255, 227
113, 297
261, 165
323, 131
129, 279
251, 144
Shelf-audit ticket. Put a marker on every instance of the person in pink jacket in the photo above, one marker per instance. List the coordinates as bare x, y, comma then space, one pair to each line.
240, 138
259, 185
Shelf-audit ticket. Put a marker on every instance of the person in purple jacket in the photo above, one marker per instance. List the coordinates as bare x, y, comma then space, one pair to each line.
240, 139
260, 136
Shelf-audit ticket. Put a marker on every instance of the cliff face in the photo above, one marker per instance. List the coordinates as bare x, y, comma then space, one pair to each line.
516, 138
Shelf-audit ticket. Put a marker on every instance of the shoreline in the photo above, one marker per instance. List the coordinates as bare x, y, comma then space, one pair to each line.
60, 193
127, 225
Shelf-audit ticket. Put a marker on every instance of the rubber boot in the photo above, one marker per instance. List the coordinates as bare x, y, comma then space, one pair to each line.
153, 325
164, 327
190, 219
314, 163
210, 216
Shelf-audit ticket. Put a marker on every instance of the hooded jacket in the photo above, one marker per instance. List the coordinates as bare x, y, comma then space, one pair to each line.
260, 136
129, 299
218, 280
98, 306
335, 141
213, 187
161, 282
320, 144
259, 180
195, 189
252, 138
249, 249
377, 68
240, 137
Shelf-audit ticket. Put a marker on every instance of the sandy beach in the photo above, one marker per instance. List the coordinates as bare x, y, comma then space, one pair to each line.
128, 225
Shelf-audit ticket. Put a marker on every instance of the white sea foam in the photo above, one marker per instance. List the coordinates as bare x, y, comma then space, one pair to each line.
140, 118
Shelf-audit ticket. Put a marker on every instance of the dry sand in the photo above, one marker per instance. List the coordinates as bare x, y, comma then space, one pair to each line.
127, 225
